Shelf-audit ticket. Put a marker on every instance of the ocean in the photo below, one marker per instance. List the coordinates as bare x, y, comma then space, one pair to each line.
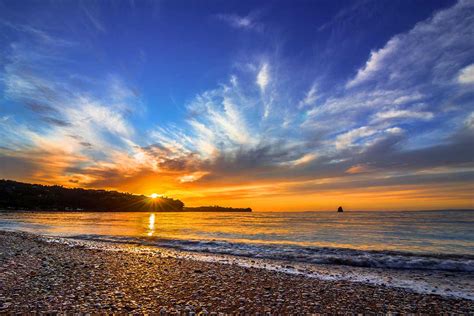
361, 244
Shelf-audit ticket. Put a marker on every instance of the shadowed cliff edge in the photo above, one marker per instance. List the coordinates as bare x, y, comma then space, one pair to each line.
36, 197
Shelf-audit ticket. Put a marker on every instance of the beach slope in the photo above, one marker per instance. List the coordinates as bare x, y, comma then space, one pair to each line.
41, 276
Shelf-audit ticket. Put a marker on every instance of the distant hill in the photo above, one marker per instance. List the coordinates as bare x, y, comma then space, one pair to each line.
36, 197
24, 196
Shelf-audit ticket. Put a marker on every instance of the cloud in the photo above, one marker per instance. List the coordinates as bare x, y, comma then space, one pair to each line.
345, 140
12, 167
70, 128
306, 158
469, 122
91, 13
55, 121
87, 114
403, 114
38, 34
375, 63
248, 22
218, 123
401, 83
466, 75
263, 76
40, 108
310, 97
403, 118
404, 58
351, 13
192, 177
356, 169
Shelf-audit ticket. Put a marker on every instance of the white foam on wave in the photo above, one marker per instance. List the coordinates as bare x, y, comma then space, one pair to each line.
315, 255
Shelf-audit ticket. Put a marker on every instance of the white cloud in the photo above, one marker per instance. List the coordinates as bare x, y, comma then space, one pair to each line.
248, 22
394, 130
371, 99
403, 114
217, 124
412, 97
466, 75
74, 127
407, 80
192, 177
235, 121
375, 62
263, 76
469, 122
204, 139
435, 48
347, 139
38, 34
219, 121
310, 97
304, 159
94, 115
257, 116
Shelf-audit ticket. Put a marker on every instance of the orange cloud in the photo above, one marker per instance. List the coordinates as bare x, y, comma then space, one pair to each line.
357, 169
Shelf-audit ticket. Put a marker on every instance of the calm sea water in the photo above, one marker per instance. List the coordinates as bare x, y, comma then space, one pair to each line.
442, 240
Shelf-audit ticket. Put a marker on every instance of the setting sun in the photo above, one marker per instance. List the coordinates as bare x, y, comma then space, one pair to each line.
154, 195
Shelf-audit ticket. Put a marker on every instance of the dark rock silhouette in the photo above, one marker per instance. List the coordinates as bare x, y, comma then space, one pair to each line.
340, 210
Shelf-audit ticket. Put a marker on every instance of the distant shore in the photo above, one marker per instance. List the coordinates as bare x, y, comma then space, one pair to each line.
41, 276
200, 209
216, 209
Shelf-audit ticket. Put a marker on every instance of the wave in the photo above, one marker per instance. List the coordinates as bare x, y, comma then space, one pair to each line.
315, 255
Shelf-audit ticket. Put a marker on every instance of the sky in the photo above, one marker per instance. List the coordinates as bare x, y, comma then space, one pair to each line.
274, 105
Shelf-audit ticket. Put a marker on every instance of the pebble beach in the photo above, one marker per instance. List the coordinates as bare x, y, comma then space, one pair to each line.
55, 278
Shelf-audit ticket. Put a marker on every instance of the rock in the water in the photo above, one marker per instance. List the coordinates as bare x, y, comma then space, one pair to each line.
340, 210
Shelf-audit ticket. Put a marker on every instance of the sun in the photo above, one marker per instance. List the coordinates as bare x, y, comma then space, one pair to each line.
154, 195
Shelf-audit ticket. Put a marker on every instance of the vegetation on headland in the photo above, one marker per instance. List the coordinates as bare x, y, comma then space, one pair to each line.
24, 196
36, 197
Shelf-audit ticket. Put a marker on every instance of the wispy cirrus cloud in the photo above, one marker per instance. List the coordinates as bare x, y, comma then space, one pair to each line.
405, 58
402, 119
263, 76
412, 78
310, 97
357, 127
67, 127
466, 75
244, 22
375, 63
403, 114
91, 12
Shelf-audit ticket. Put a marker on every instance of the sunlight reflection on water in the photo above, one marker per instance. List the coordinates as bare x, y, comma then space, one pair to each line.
151, 224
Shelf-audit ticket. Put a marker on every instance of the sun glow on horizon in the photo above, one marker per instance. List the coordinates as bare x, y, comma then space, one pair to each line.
154, 195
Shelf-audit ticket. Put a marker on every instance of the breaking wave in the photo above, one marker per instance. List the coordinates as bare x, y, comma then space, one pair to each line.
315, 255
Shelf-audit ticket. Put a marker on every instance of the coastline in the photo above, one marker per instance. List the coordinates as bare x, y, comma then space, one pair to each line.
44, 276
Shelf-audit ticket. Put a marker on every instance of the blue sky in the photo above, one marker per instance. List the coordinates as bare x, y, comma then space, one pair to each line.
240, 101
